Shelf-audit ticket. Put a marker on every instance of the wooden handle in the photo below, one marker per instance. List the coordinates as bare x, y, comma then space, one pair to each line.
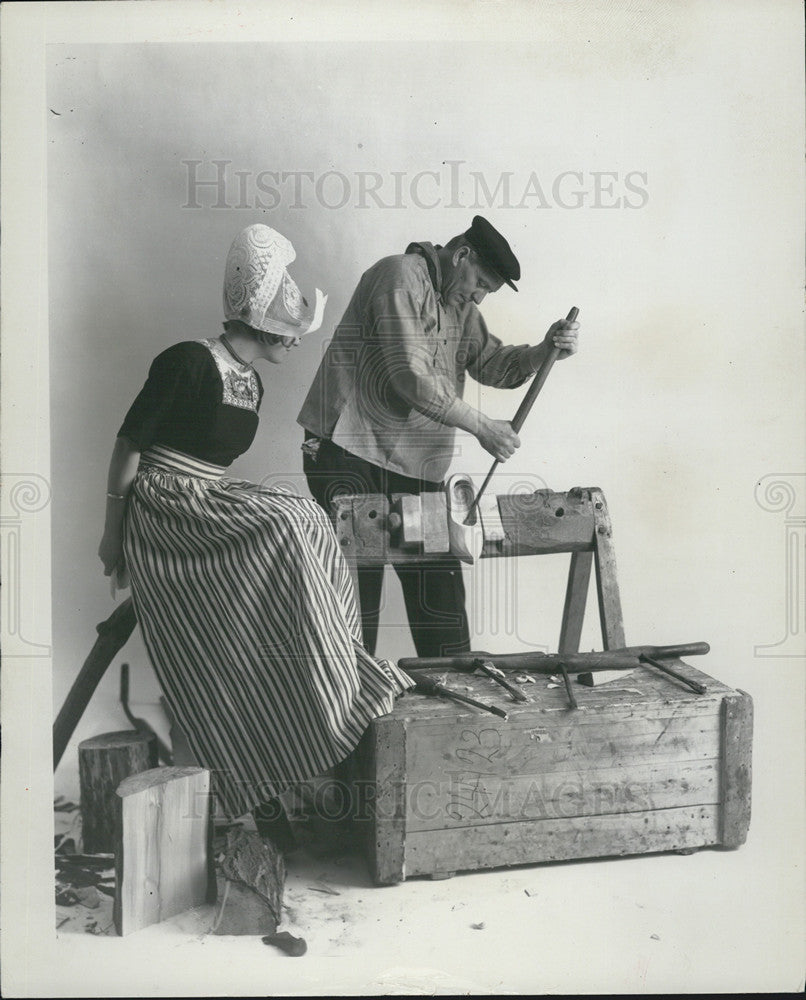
112, 636
427, 685
679, 651
542, 663
465, 663
539, 380
608, 659
660, 665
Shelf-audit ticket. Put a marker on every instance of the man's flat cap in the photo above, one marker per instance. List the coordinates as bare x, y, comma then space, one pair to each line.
493, 250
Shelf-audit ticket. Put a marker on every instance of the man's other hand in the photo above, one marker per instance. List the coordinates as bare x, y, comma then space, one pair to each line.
498, 438
563, 335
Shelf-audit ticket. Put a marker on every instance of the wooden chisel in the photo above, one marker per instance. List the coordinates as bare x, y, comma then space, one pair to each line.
427, 685
498, 676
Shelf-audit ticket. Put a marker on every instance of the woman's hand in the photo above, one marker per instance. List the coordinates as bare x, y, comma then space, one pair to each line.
122, 470
110, 551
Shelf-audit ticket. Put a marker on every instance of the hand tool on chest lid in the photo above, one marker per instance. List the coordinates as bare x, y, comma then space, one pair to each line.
626, 658
496, 674
431, 686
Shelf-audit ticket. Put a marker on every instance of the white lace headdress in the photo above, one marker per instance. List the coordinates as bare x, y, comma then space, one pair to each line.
259, 291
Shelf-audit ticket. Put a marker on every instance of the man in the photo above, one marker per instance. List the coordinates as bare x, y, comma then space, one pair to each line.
382, 412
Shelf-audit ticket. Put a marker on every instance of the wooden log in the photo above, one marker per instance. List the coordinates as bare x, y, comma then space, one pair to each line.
251, 880
112, 636
103, 762
161, 857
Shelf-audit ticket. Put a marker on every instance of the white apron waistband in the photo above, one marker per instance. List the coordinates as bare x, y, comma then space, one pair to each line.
170, 460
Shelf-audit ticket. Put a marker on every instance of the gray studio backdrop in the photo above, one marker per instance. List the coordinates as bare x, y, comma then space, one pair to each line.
636, 178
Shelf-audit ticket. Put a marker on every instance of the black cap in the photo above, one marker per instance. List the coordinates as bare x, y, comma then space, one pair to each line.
494, 250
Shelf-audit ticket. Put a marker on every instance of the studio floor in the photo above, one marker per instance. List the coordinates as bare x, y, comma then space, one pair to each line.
713, 921
658, 924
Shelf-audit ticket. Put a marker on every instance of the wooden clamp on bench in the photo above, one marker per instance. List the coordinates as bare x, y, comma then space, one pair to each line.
413, 530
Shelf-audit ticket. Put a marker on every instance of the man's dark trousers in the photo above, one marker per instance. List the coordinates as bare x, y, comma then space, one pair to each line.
434, 593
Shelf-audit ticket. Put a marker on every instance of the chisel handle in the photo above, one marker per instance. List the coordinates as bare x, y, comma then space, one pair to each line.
427, 685
498, 676
539, 380
449, 693
659, 665
676, 652
567, 681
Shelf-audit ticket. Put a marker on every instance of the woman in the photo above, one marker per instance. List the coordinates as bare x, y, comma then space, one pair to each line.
241, 592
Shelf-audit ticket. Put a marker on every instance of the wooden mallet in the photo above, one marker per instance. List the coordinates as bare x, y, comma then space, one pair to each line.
523, 411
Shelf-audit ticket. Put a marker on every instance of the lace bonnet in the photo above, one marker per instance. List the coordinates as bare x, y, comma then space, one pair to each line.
259, 291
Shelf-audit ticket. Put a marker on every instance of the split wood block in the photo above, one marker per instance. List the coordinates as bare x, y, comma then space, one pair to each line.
162, 861
251, 880
103, 762
241, 911
412, 526
434, 510
651, 768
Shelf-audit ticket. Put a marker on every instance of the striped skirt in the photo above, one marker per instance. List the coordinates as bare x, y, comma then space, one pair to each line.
248, 615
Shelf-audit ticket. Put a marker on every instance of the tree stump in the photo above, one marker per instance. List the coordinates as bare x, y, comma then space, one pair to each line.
163, 863
103, 762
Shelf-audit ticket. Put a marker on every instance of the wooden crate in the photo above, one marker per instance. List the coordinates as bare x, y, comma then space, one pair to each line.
643, 765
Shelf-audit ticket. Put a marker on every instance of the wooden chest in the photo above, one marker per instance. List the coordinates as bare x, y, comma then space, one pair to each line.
643, 765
